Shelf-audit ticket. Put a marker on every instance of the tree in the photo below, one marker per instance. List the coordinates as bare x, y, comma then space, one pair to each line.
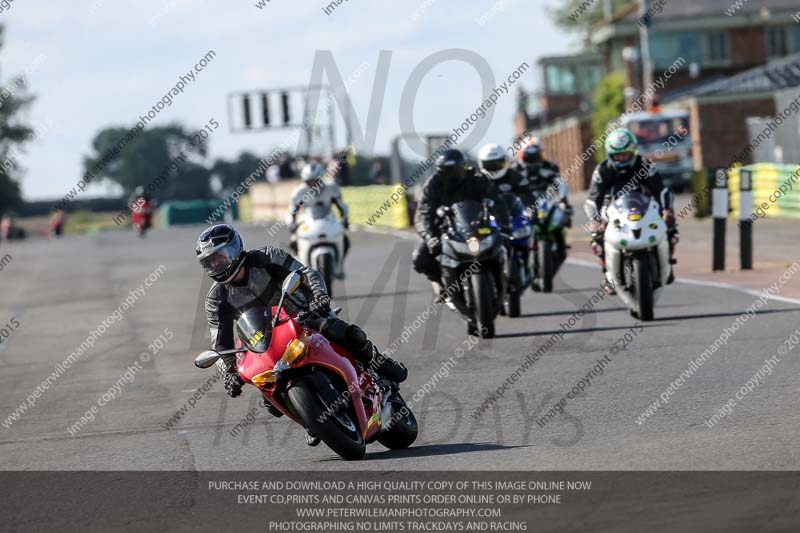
608, 105
231, 174
14, 98
163, 160
581, 15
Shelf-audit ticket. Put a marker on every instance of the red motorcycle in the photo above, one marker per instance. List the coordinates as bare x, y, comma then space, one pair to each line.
316, 383
142, 216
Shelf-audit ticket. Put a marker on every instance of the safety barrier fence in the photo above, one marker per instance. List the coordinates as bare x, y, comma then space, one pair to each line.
774, 190
366, 202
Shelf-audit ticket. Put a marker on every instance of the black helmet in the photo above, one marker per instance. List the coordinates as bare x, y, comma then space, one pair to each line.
452, 163
220, 250
532, 153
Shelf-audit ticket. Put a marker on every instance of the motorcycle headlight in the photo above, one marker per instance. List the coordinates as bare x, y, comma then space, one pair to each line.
473, 245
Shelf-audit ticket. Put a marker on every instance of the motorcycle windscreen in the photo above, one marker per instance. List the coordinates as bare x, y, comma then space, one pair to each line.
635, 203
466, 213
318, 210
255, 329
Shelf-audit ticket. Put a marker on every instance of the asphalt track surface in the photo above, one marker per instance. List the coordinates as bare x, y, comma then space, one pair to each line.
59, 291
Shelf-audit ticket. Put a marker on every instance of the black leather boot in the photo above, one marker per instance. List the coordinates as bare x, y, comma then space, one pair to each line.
389, 368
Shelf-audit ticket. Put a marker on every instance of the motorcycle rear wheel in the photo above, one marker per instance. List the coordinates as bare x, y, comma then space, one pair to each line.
311, 407
513, 302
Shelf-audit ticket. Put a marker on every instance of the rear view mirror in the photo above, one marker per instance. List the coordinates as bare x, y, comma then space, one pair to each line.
206, 359
291, 283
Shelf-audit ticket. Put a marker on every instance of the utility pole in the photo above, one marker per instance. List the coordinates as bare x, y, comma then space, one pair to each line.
644, 46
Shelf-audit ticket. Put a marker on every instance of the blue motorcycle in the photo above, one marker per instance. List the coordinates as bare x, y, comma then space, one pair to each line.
519, 247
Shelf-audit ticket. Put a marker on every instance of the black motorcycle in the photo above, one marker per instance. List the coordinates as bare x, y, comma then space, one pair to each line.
473, 262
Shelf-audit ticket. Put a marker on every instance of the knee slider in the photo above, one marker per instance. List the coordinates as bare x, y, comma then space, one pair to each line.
356, 336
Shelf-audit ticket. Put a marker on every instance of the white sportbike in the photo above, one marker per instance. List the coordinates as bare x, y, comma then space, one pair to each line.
320, 242
637, 252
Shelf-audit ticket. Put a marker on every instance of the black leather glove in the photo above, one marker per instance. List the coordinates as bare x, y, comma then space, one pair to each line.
434, 245
233, 384
320, 305
669, 217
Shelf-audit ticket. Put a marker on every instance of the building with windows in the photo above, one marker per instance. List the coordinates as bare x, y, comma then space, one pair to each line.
569, 82
719, 40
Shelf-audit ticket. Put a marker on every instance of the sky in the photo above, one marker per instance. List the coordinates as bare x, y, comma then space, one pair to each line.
99, 63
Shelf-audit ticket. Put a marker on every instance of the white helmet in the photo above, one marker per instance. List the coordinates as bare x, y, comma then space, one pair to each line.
312, 171
493, 161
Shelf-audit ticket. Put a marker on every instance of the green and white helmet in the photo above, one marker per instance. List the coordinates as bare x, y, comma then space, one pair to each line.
621, 148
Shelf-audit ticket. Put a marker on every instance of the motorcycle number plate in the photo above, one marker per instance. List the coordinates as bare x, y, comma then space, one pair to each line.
484, 231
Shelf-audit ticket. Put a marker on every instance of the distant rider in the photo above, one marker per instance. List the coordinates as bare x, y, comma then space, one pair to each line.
244, 279
139, 198
454, 181
315, 191
622, 170
542, 175
493, 163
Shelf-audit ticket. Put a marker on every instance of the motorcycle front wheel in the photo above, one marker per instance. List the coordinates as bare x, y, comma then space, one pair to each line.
402, 431
547, 264
325, 266
481, 285
642, 277
335, 425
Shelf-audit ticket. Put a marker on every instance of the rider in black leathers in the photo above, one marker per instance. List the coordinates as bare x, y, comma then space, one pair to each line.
453, 182
493, 164
542, 175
